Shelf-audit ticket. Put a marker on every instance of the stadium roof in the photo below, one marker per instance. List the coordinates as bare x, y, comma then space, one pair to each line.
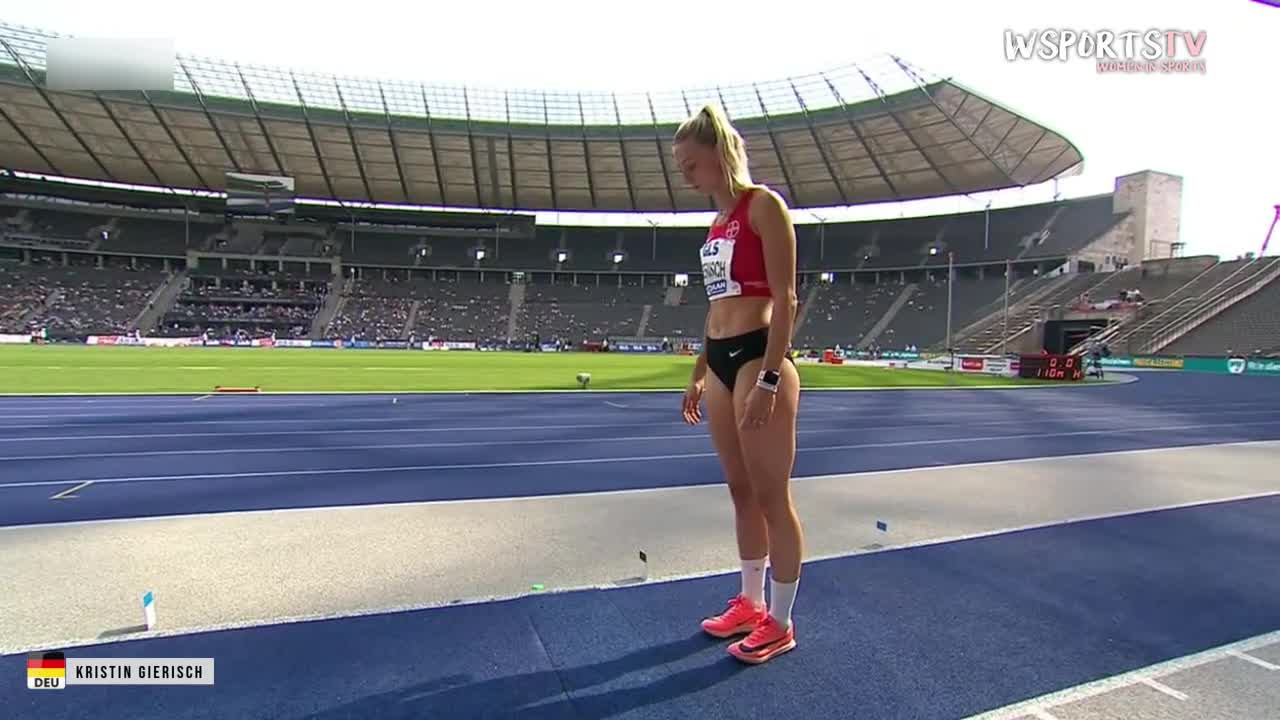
863, 133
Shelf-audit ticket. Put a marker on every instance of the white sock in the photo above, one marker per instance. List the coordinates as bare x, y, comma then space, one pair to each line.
753, 580
781, 600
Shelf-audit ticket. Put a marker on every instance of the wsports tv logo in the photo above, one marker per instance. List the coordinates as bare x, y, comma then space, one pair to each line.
1130, 51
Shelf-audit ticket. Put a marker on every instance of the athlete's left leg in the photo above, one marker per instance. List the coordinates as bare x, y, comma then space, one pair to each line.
770, 453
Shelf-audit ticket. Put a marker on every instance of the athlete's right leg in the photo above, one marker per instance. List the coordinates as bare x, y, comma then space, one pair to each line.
748, 607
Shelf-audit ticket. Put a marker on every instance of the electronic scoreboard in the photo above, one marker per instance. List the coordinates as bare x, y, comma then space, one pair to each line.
1051, 367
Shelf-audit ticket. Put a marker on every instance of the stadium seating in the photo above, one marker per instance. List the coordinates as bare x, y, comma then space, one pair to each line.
241, 301
374, 309
80, 269
843, 313
462, 310
922, 321
1160, 311
1251, 326
986, 335
75, 301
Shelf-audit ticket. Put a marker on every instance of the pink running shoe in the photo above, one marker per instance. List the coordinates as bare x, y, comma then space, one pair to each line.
767, 641
741, 617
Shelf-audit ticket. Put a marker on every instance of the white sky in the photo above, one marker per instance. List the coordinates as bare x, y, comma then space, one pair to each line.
1207, 128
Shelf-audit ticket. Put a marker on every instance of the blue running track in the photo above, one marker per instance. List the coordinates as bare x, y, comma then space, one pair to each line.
167, 456
937, 631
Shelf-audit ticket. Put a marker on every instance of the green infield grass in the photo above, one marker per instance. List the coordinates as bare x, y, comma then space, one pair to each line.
83, 369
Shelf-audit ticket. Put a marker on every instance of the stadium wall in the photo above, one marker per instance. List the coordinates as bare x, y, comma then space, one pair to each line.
1112, 251
1154, 203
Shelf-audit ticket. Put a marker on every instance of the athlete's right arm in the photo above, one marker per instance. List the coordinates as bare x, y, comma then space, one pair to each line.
700, 366
691, 404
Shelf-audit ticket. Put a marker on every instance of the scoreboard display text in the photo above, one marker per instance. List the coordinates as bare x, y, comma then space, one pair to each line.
1051, 367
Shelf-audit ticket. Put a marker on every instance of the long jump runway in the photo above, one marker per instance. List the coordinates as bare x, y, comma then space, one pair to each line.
477, 556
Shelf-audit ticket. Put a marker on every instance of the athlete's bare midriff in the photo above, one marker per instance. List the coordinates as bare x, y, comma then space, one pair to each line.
734, 316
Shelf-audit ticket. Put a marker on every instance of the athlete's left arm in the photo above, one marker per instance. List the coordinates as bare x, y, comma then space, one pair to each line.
772, 220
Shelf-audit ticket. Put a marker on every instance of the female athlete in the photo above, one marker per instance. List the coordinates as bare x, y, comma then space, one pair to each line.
752, 391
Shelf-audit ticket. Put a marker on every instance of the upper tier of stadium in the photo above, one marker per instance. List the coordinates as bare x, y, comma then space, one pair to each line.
863, 133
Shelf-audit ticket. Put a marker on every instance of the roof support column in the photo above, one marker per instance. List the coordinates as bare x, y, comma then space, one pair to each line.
662, 155
266, 136
355, 147
209, 116
907, 134
551, 158
315, 142
968, 136
395, 147
817, 141
435, 152
471, 145
511, 153
174, 139
853, 125
622, 148
773, 140
26, 70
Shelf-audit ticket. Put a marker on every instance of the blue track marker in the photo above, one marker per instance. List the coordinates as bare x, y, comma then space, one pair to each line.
149, 610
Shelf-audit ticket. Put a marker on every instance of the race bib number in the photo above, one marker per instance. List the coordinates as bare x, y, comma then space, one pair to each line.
717, 258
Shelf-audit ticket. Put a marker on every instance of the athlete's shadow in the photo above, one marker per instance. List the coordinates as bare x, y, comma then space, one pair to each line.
539, 695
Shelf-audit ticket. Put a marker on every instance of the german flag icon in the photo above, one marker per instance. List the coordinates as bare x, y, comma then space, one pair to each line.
47, 671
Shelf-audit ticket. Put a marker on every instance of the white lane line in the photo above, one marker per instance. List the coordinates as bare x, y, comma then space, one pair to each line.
514, 428
471, 443
333, 431
1161, 687
1255, 660
178, 402
65, 494
1141, 675
617, 459
203, 397
551, 497
594, 391
433, 409
369, 470
394, 446
427, 413
430, 411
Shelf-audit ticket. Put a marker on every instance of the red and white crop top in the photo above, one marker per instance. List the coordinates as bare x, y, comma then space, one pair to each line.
733, 256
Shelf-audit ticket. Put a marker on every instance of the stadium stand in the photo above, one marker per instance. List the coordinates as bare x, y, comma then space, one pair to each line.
74, 300
463, 310
922, 320
1249, 327
79, 267
585, 312
239, 301
376, 308
1163, 313
842, 314
681, 315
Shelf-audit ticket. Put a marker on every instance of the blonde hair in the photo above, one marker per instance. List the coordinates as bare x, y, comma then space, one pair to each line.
711, 127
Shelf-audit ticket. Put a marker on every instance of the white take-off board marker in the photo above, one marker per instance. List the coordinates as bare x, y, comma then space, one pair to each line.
149, 610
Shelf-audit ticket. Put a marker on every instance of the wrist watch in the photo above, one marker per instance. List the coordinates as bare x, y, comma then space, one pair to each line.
769, 380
